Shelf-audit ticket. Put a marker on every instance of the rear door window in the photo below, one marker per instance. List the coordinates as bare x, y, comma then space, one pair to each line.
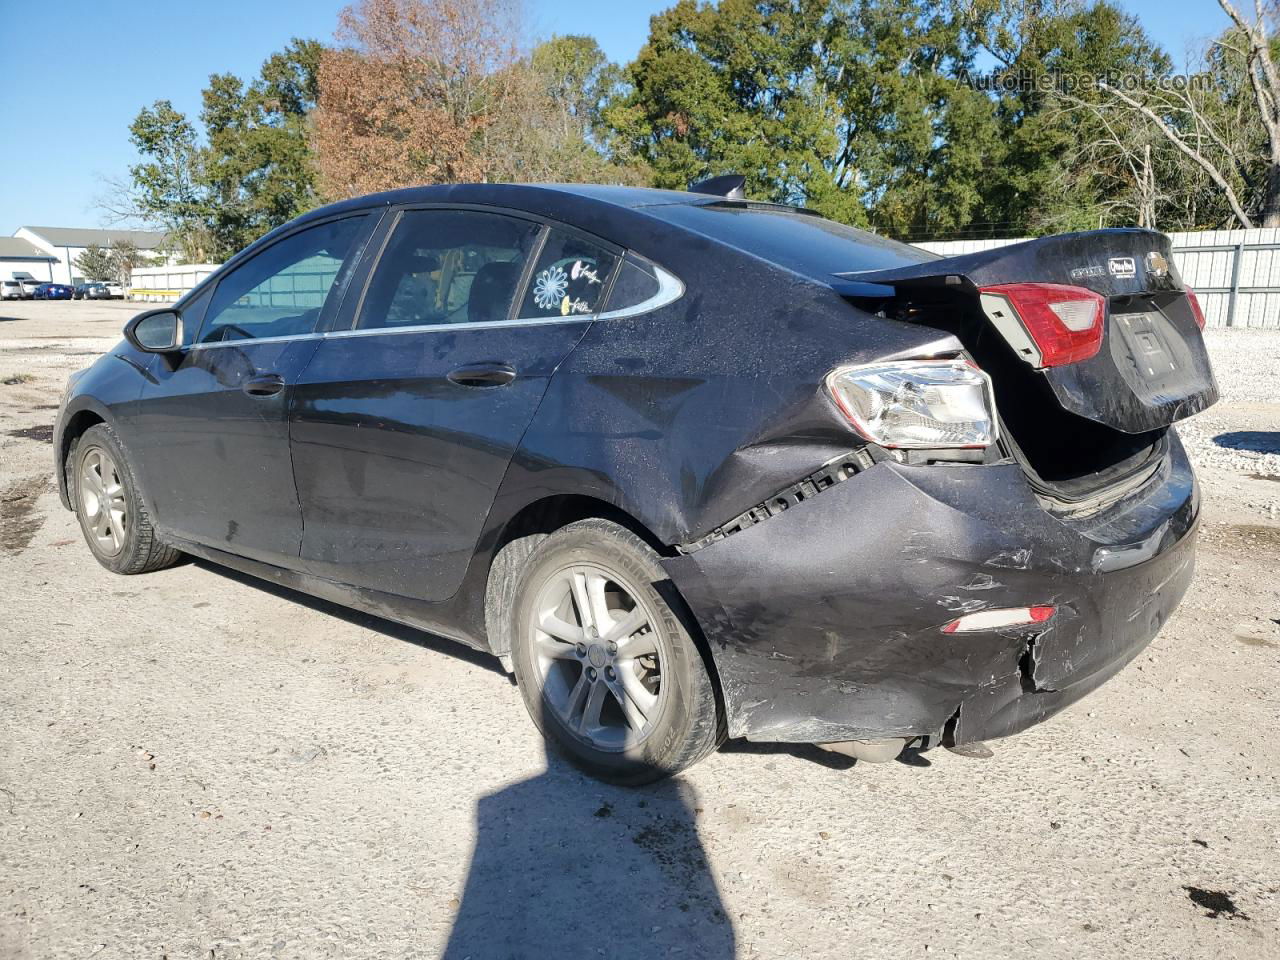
447, 267
570, 278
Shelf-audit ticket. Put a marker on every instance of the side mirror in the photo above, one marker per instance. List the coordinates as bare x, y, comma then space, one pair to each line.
156, 331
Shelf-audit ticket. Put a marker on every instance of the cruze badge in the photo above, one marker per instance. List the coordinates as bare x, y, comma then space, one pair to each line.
1122, 267
1157, 265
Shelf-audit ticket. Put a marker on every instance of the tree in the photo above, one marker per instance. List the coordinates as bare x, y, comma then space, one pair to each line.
914, 141
556, 131
734, 88
166, 187
95, 263
251, 171
1227, 130
258, 168
436, 91
412, 92
125, 258
1053, 50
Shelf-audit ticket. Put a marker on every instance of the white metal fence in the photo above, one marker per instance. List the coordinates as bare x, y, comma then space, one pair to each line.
1235, 273
166, 284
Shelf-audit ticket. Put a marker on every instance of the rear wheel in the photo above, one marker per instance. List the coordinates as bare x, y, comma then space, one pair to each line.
605, 666
112, 517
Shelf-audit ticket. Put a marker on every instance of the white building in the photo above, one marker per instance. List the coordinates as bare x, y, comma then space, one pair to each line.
19, 256
65, 244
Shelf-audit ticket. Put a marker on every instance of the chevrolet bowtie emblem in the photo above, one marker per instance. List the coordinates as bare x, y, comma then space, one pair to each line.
1157, 264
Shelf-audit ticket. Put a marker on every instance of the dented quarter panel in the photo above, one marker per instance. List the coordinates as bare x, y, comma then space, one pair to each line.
686, 416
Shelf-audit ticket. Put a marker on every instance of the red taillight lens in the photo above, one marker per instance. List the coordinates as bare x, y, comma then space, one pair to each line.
1195, 307
1064, 322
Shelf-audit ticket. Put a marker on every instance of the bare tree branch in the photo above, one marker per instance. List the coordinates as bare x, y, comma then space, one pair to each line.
1177, 140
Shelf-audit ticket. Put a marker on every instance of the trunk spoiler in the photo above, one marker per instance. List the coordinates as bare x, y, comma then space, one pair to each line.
1152, 369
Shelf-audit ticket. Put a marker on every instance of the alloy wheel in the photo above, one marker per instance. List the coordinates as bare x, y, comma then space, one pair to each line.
598, 656
102, 499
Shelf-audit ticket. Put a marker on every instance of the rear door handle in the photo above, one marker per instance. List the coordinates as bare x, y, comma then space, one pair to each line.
267, 385
483, 375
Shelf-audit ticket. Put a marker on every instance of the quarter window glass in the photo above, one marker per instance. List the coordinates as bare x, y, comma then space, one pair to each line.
637, 283
448, 266
570, 278
281, 291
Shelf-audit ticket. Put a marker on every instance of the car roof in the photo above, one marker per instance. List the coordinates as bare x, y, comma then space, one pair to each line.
517, 195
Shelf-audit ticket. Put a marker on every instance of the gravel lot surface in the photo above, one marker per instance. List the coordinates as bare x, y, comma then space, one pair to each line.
194, 764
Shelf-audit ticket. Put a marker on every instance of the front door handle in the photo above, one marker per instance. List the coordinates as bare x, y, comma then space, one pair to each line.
267, 385
483, 375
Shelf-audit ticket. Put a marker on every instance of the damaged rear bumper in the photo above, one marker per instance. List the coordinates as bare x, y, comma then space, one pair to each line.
825, 621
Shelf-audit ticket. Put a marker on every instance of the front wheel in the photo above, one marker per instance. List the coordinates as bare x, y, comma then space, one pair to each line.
111, 513
606, 667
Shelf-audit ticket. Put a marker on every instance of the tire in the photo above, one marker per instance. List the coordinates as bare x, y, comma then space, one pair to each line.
628, 719
121, 537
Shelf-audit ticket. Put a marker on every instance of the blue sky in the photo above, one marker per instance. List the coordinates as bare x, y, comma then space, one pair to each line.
76, 73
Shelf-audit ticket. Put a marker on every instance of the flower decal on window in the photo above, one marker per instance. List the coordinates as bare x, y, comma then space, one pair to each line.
549, 288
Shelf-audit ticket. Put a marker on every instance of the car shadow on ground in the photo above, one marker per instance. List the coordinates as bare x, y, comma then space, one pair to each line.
564, 865
1257, 441
387, 628
801, 751
568, 867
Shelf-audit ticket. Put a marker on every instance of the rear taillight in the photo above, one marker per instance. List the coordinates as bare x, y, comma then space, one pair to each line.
1064, 323
1195, 307
917, 404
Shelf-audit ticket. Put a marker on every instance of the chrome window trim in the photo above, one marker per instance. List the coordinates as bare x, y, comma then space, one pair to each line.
246, 340
481, 325
670, 289
415, 328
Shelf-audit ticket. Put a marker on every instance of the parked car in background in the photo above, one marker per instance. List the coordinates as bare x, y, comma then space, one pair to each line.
93, 290
114, 290
692, 466
54, 291
11, 290
29, 286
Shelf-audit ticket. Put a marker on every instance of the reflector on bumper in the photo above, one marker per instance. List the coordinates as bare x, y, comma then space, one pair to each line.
996, 619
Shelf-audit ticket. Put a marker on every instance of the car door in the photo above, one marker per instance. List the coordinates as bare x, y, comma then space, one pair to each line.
211, 423
403, 425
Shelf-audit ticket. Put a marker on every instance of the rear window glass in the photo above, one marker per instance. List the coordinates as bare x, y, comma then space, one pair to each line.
569, 279
803, 242
449, 266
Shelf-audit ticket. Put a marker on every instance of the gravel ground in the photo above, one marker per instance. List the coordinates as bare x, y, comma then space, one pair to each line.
195, 764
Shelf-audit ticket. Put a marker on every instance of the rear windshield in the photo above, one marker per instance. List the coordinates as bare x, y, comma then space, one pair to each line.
802, 242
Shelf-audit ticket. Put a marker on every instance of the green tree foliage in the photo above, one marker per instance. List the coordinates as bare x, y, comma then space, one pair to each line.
165, 185
733, 87
95, 263
1035, 187
559, 132
866, 110
257, 168
251, 171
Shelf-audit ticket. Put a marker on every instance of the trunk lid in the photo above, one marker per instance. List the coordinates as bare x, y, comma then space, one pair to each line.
1152, 368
